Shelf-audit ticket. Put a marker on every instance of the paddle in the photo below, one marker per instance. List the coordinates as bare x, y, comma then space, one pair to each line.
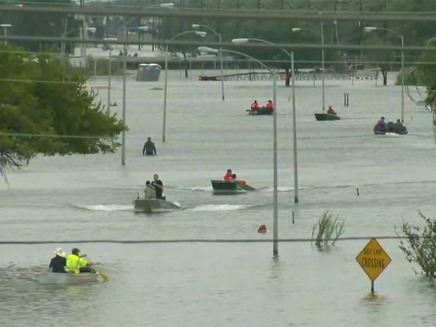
247, 187
101, 273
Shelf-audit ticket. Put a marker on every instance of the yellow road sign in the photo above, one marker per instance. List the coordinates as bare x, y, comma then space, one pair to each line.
373, 259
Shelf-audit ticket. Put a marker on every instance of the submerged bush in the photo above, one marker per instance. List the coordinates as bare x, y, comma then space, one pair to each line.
328, 229
420, 245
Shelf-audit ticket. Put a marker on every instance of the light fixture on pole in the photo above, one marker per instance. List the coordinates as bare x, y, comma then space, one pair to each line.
401, 36
221, 55
6, 26
200, 33
294, 125
297, 29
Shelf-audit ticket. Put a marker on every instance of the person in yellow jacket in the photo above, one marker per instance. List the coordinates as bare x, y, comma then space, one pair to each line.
76, 264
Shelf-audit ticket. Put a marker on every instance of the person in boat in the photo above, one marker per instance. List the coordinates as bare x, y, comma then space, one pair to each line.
240, 182
58, 262
76, 264
158, 187
269, 106
228, 175
255, 106
331, 111
381, 125
390, 127
149, 191
399, 127
149, 148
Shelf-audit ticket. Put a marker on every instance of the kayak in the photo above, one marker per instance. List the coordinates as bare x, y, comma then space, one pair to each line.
68, 278
154, 205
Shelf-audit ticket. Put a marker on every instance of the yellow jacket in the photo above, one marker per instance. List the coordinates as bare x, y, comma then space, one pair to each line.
74, 263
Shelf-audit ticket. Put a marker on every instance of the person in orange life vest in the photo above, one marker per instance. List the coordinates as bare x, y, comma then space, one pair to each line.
255, 106
228, 175
331, 111
240, 182
269, 105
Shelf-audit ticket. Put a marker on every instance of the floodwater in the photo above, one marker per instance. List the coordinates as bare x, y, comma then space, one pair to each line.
206, 265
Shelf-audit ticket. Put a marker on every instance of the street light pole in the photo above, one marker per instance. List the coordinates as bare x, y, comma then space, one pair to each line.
401, 36
275, 171
294, 124
165, 94
222, 73
294, 130
108, 110
220, 54
275, 161
123, 135
402, 78
296, 29
322, 66
202, 34
6, 26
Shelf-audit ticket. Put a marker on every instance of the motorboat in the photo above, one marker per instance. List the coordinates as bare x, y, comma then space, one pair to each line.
260, 112
322, 116
390, 129
230, 187
154, 205
68, 278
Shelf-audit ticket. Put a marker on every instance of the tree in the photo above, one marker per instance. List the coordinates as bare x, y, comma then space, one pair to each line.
46, 109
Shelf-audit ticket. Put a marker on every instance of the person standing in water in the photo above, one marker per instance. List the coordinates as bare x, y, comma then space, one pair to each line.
149, 148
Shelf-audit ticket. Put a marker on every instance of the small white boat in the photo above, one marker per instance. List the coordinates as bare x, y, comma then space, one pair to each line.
68, 278
154, 205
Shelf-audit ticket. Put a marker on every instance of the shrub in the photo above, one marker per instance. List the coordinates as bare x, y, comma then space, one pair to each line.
420, 245
328, 229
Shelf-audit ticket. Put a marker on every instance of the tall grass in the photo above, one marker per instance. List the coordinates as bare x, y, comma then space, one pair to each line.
327, 230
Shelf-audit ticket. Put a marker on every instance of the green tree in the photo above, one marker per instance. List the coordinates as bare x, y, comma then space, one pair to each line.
45, 108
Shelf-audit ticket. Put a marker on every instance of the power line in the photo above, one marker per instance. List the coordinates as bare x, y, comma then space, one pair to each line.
294, 240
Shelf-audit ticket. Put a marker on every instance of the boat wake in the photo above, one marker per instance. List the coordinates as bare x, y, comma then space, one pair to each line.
279, 189
105, 207
220, 207
198, 188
